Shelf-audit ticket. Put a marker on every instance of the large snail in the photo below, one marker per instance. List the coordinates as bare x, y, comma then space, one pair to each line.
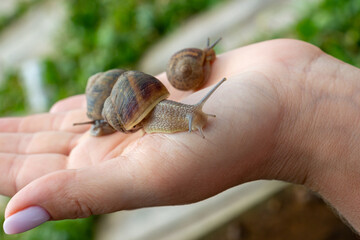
190, 68
138, 100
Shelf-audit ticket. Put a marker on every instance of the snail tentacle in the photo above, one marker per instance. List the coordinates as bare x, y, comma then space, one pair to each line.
189, 116
201, 132
206, 97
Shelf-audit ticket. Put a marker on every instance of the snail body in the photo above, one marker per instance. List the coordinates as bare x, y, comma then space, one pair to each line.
170, 116
190, 68
138, 100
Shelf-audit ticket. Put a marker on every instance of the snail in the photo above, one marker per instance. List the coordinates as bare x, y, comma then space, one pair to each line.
138, 100
189, 68
98, 88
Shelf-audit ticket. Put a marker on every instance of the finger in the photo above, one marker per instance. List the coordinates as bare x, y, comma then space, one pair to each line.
165, 169
79, 193
155, 164
62, 121
69, 103
118, 184
40, 142
143, 178
121, 183
158, 169
19, 170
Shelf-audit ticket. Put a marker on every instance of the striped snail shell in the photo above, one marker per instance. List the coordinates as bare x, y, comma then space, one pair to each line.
133, 96
138, 100
190, 68
98, 88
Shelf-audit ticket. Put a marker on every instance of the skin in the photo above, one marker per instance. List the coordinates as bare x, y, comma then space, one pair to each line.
288, 111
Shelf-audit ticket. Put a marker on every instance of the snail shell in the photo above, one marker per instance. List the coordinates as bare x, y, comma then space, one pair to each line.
98, 88
132, 98
190, 68
138, 100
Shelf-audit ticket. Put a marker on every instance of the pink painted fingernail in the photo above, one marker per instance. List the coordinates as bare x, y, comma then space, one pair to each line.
25, 220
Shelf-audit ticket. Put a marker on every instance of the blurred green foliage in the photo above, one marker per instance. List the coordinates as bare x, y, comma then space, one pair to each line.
104, 34
21, 8
334, 26
97, 36
110, 33
12, 96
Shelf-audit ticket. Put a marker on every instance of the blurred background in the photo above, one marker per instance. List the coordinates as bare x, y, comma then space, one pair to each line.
48, 49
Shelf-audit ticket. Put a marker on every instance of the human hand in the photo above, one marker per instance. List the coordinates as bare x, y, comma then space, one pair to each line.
264, 129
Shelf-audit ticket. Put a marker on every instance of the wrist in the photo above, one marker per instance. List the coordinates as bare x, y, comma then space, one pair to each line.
318, 138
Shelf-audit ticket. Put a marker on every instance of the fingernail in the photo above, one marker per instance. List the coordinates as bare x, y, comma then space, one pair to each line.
25, 220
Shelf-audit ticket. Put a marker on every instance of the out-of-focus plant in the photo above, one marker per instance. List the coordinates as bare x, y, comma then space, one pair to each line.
20, 9
334, 26
104, 34
12, 97
111, 33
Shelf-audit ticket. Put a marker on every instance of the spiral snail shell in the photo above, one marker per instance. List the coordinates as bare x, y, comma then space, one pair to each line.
190, 68
98, 88
138, 100
132, 97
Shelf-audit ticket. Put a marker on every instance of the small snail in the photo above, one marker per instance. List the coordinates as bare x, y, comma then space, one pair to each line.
190, 68
138, 100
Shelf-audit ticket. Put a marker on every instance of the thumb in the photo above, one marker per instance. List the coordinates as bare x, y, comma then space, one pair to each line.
79, 193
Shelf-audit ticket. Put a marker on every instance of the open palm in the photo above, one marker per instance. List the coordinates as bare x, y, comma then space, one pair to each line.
48, 162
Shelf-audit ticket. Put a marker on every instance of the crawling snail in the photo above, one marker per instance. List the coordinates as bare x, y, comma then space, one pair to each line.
190, 68
138, 100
